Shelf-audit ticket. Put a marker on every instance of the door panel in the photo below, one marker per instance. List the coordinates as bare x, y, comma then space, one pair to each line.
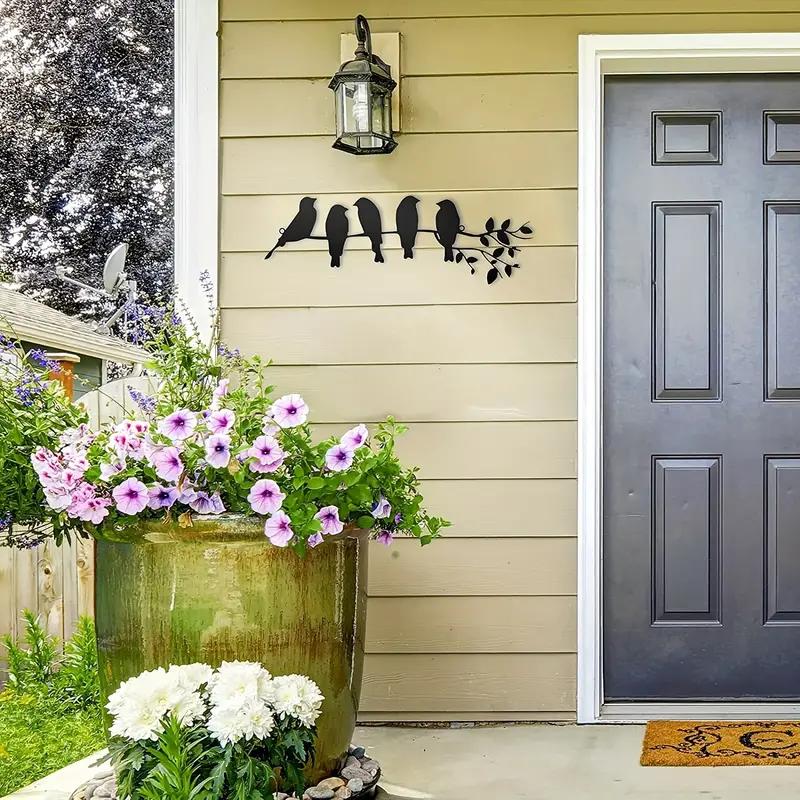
701, 397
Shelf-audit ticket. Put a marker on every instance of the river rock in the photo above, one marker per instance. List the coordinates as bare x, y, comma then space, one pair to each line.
348, 773
352, 761
355, 785
343, 793
371, 766
357, 752
319, 793
331, 783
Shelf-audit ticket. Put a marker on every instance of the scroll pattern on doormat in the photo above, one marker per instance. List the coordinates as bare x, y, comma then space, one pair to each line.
721, 744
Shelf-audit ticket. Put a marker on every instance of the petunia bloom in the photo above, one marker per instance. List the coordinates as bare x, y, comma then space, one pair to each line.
108, 471
382, 508
355, 437
220, 392
131, 496
385, 537
267, 454
166, 461
218, 451
179, 425
203, 503
220, 421
315, 539
278, 529
329, 517
265, 497
162, 496
95, 510
338, 458
289, 411
270, 428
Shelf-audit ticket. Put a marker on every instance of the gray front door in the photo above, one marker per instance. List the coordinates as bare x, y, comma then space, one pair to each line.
701, 399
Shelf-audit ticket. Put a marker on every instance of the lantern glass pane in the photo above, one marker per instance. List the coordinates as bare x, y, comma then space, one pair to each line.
356, 101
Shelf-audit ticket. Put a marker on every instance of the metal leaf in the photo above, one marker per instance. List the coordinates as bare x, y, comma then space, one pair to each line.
485, 241
490, 224
472, 260
498, 252
525, 229
509, 270
505, 225
502, 236
459, 257
492, 275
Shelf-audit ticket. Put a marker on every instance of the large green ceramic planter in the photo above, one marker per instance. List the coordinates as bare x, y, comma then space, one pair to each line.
220, 591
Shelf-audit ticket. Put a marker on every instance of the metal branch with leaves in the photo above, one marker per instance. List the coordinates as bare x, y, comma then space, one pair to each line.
497, 248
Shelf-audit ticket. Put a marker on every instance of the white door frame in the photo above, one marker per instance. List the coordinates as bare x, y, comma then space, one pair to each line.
612, 55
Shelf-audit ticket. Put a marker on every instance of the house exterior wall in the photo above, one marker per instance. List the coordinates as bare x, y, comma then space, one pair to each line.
480, 625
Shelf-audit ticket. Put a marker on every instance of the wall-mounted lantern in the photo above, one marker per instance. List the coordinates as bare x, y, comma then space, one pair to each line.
363, 96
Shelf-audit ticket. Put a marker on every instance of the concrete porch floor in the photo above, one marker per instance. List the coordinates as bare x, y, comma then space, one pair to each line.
535, 762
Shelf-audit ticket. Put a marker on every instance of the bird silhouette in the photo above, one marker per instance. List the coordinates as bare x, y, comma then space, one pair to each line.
407, 219
447, 227
369, 215
300, 227
336, 229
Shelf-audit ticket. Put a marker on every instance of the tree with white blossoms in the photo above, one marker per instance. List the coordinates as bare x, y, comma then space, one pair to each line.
194, 733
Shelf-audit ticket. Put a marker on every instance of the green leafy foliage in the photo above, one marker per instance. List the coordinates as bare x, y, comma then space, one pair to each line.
50, 711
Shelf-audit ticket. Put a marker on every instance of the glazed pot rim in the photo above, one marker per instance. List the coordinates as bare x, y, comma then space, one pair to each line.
222, 528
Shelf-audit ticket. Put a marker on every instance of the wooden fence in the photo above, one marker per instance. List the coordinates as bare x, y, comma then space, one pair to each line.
58, 582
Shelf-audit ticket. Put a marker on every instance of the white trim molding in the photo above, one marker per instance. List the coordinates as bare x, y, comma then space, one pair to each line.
600, 56
196, 154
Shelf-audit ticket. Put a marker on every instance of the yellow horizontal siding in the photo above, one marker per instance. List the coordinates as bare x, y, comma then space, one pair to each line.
480, 625
474, 567
536, 332
280, 10
476, 683
304, 280
471, 625
454, 162
453, 392
433, 104
461, 46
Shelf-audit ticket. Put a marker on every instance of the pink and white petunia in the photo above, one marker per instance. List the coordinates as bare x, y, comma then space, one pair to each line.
278, 529
355, 437
385, 537
289, 411
218, 451
162, 496
108, 471
131, 496
220, 421
95, 510
272, 466
315, 539
338, 458
220, 392
329, 517
166, 461
265, 497
270, 428
179, 425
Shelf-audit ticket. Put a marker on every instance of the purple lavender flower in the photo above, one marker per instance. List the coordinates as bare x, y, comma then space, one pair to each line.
146, 404
162, 496
41, 359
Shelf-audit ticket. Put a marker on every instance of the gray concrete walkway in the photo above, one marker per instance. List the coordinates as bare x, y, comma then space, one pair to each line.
537, 762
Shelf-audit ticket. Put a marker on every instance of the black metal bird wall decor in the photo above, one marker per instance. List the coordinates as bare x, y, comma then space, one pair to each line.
499, 244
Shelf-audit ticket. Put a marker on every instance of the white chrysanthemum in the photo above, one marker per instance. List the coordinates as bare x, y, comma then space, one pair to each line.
297, 696
239, 682
192, 676
251, 720
141, 703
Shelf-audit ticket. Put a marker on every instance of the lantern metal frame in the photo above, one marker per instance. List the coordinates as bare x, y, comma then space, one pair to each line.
365, 68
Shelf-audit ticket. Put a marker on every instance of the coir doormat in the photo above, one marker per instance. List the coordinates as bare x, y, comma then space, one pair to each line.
721, 744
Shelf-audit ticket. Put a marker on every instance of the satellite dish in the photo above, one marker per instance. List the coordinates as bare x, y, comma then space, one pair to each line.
114, 269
